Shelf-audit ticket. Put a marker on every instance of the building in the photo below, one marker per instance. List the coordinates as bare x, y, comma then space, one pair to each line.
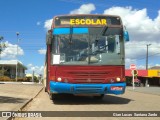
8, 68
142, 76
152, 76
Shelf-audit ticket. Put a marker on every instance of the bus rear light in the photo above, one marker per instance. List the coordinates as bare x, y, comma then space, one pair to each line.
116, 88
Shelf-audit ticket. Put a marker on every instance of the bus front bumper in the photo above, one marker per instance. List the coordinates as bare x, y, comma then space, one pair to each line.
90, 89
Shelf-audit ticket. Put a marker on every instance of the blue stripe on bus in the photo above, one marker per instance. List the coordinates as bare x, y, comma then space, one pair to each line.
58, 31
80, 30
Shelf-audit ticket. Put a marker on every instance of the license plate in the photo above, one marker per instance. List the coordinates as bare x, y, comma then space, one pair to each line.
116, 88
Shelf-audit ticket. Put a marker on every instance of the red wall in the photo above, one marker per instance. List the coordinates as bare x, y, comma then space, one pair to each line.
142, 73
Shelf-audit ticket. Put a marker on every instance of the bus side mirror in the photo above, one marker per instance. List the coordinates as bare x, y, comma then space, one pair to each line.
126, 35
49, 37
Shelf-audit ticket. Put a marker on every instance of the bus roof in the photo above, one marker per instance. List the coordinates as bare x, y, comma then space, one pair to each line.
87, 15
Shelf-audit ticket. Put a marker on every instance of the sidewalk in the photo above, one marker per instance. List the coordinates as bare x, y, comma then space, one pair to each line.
14, 96
147, 90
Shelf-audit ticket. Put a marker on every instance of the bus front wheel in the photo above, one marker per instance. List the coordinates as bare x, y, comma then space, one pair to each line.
53, 96
45, 89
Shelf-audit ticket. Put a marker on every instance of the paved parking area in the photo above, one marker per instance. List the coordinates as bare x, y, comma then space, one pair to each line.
147, 90
14, 96
130, 101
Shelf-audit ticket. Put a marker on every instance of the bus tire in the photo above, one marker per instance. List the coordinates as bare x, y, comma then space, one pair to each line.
53, 96
99, 97
45, 89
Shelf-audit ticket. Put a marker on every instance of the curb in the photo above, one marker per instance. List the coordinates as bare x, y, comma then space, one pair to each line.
26, 103
18, 83
30, 100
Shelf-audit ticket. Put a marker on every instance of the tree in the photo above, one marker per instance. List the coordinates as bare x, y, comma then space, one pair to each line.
2, 45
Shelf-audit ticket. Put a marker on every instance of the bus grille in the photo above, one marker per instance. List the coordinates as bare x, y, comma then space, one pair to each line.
89, 77
89, 80
88, 89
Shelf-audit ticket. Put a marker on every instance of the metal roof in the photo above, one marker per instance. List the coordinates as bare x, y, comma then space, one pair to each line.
12, 63
155, 67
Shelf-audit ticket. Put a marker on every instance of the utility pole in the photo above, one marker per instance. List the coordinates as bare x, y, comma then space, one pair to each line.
17, 33
33, 76
147, 63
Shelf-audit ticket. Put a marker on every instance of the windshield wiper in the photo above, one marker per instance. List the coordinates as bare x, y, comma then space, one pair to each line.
104, 30
70, 35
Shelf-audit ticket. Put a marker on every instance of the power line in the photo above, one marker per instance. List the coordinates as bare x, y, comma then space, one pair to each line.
148, 56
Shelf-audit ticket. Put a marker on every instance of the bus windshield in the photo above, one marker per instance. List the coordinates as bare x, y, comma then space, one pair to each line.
88, 46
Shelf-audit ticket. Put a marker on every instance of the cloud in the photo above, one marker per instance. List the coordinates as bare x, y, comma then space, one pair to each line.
84, 9
142, 29
38, 23
47, 24
140, 26
42, 51
137, 50
129, 61
36, 69
10, 51
29, 65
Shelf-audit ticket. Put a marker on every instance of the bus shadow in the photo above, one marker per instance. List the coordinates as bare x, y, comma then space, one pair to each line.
5, 99
80, 100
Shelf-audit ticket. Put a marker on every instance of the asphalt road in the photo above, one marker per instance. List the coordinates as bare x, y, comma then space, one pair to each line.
147, 90
130, 101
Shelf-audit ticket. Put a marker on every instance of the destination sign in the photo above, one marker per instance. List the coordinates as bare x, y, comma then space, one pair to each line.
86, 20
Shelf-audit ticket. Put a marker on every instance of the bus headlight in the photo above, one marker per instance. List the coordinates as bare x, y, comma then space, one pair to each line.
59, 79
118, 79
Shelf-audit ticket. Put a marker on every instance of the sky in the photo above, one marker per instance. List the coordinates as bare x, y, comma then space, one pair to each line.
32, 18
